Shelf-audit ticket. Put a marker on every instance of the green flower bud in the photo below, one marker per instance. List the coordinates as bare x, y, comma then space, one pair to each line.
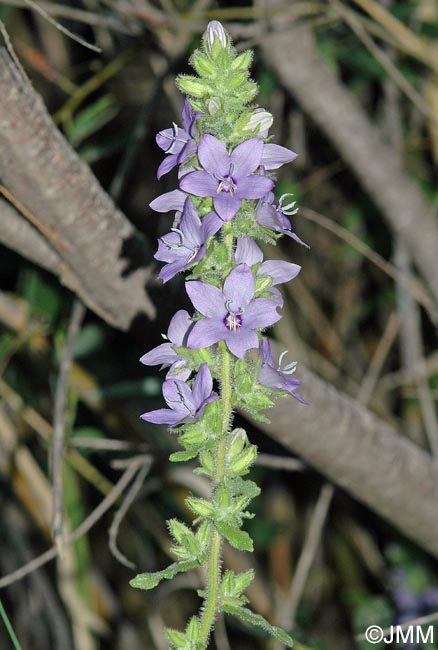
203, 66
213, 105
243, 61
200, 507
260, 121
244, 461
238, 442
192, 86
235, 80
215, 35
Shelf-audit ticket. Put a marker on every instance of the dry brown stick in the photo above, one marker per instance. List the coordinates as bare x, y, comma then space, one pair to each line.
59, 414
375, 367
83, 529
310, 547
40, 169
294, 57
121, 512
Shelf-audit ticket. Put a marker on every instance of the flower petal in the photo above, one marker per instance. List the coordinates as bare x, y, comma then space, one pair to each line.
173, 200
206, 298
206, 332
178, 396
261, 312
240, 341
167, 165
246, 157
239, 288
226, 205
199, 184
265, 349
254, 187
202, 386
163, 354
247, 252
163, 416
274, 156
213, 156
279, 271
170, 270
211, 223
178, 327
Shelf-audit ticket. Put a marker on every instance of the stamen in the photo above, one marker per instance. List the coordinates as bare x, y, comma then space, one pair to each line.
193, 255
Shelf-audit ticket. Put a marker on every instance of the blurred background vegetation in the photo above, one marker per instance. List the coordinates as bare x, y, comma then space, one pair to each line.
327, 566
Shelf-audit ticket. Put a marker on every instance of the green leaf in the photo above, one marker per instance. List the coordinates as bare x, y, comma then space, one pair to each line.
237, 538
177, 638
91, 119
192, 631
248, 616
151, 580
182, 456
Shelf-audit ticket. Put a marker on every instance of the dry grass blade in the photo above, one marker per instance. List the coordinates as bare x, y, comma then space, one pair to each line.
385, 61
36, 7
414, 44
412, 285
121, 512
86, 525
76, 318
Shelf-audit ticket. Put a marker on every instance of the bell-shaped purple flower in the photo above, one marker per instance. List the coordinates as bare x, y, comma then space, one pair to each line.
274, 217
178, 143
274, 376
186, 244
164, 355
232, 315
228, 179
185, 404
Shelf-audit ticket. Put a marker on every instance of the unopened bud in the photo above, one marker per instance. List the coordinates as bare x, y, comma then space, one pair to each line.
215, 31
259, 121
213, 105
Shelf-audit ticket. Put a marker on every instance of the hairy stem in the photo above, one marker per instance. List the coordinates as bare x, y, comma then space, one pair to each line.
214, 557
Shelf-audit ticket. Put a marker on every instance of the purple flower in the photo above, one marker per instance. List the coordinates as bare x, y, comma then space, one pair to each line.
274, 217
185, 404
248, 252
275, 377
274, 156
186, 245
232, 315
228, 178
179, 144
165, 354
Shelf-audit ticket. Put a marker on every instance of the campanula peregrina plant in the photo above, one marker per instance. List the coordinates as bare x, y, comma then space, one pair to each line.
218, 357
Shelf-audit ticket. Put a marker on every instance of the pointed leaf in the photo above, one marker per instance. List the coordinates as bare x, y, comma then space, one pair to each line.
183, 456
151, 580
248, 616
237, 538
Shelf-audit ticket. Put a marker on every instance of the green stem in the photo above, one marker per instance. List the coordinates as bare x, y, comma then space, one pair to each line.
9, 627
214, 556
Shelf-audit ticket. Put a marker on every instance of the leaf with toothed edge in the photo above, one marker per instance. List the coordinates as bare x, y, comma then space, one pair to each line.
151, 580
248, 616
237, 538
